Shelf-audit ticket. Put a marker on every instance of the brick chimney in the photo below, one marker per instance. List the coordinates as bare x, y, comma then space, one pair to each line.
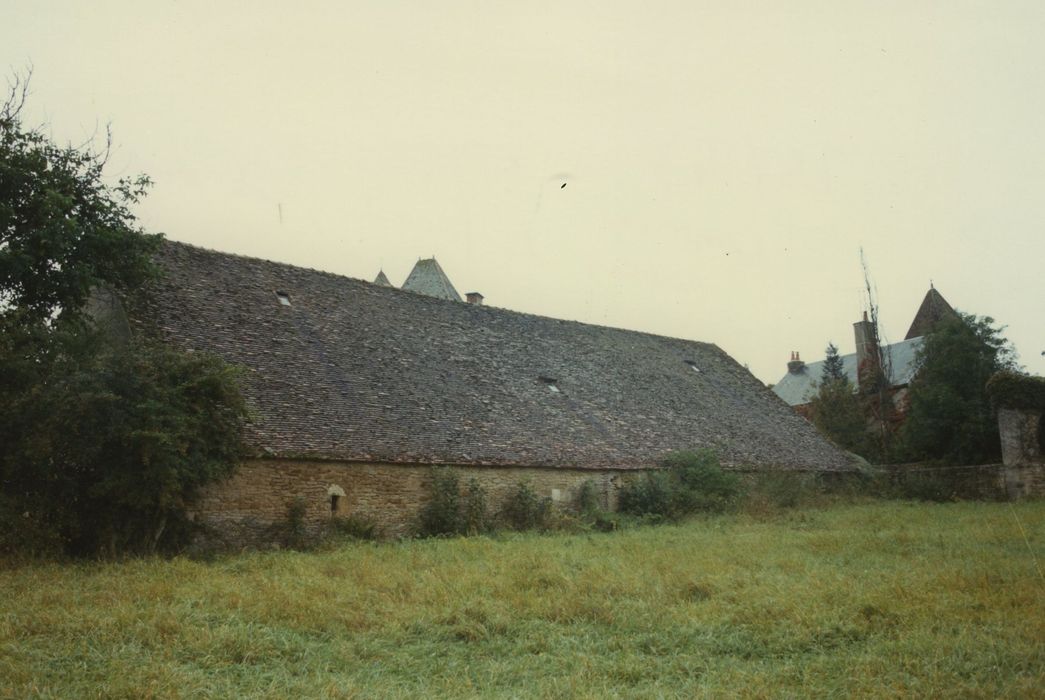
474, 298
795, 365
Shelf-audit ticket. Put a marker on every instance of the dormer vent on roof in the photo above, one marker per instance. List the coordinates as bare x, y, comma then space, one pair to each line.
283, 297
692, 366
552, 384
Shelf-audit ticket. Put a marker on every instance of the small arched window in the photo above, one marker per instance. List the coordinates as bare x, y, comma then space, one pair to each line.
335, 493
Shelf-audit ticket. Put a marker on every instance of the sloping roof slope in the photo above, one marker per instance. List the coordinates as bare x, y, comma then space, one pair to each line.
797, 388
933, 309
428, 277
351, 370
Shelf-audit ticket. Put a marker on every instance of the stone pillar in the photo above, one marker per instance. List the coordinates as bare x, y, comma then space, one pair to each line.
1019, 436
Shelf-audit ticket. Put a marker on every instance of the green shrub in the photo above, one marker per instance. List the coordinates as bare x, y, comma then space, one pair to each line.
588, 503
353, 527
780, 489
687, 483
291, 532
525, 510
587, 499
703, 484
649, 494
475, 517
1009, 389
110, 445
23, 535
442, 514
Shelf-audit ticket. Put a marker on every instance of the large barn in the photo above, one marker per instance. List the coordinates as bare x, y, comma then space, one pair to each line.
357, 388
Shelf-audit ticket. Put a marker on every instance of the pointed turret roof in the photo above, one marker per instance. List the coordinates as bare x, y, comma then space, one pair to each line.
428, 278
381, 279
934, 308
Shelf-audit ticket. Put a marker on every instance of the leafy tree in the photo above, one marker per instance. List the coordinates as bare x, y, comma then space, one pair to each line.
111, 443
950, 417
838, 412
63, 230
104, 443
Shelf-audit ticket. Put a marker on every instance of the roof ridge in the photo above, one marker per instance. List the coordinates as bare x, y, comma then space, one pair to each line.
472, 308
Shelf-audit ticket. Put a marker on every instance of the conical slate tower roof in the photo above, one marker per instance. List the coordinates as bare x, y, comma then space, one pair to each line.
934, 308
428, 278
381, 279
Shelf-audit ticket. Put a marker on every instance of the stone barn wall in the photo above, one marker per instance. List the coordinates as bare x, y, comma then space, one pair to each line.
241, 511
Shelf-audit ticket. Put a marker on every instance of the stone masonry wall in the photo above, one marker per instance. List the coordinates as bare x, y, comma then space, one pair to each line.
242, 510
1021, 452
1020, 441
977, 482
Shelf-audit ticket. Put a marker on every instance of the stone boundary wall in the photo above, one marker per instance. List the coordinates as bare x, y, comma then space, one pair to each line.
243, 510
995, 482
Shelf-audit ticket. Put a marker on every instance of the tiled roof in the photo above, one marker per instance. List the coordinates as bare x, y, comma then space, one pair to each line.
356, 371
797, 388
382, 279
934, 308
428, 278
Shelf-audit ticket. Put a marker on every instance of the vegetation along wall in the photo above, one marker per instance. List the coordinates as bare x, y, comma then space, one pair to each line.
242, 510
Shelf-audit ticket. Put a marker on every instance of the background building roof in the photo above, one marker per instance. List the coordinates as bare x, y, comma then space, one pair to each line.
934, 308
351, 370
428, 277
797, 388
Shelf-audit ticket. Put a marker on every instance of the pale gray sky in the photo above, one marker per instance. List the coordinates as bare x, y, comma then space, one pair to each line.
724, 161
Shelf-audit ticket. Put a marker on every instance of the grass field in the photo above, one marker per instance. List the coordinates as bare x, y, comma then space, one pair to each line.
872, 600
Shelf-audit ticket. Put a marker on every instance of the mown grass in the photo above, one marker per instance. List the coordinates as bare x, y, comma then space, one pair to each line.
872, 600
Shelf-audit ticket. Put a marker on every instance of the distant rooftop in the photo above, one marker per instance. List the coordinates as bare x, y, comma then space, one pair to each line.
428, 278
799, 387
934, 308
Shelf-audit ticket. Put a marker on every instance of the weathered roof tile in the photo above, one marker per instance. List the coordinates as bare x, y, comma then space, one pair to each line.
356, 371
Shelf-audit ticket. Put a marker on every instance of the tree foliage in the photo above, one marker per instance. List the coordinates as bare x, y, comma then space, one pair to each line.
950, 417
105, 444
839, 413
836, 409
833, 369
1009, 389
688, 482
63, 230
109, 444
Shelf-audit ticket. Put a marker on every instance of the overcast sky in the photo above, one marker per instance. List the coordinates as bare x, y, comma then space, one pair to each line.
724, 162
